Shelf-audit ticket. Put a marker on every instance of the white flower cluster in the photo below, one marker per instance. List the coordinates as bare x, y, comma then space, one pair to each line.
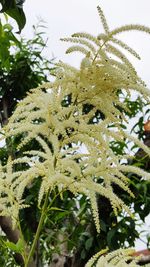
54, 116
119, 258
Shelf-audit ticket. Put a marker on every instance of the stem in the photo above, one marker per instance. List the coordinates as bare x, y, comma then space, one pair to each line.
24, 254
38, 230
100, 49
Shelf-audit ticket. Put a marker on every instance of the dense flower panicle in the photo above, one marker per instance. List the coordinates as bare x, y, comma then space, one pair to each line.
103, 19
119, 258
10, 201
54, 116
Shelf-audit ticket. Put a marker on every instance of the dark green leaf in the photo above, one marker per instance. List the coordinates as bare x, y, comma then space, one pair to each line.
88, 243
14, 9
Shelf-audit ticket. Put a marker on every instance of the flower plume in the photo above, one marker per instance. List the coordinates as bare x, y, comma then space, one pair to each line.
74, 119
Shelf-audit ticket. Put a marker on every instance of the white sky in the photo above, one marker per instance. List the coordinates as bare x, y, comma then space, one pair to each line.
65, 17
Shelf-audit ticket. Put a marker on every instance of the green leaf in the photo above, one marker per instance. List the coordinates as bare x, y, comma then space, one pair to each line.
4, 49
19, 16
103, 225
55, 208
14, 9
61, 215
83, 254
8, 27
111, 235
7, 4
88, 243
18, 247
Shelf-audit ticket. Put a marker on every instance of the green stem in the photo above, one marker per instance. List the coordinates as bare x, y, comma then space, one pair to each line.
24, 254
38, 230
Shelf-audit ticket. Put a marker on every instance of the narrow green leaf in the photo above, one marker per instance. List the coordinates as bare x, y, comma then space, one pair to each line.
18, 247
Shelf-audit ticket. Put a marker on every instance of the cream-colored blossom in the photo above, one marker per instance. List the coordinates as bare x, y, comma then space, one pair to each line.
10, 202
53, 115
119, 258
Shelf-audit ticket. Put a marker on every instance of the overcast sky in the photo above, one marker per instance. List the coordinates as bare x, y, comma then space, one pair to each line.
64, 17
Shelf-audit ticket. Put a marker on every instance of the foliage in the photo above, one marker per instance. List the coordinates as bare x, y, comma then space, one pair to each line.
66, 143
8, 39
23, 68
14, 8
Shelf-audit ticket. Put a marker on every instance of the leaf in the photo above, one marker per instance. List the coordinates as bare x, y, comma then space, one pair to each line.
103, 225
14, 9
7, 4
18, 247
110, 236
88, 243
83, 254
61, 215
4, 49
56, 208
19, 16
